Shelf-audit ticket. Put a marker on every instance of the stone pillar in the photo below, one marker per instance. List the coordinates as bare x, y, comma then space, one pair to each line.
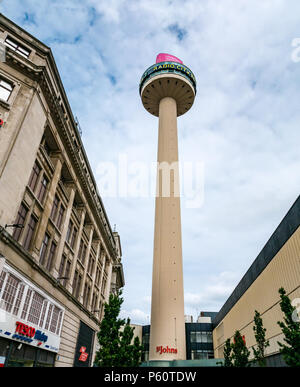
167, 309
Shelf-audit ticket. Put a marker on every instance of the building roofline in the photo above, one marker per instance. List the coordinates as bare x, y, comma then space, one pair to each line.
280, 236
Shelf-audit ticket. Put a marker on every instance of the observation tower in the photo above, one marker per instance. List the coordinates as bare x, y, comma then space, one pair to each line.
167, 90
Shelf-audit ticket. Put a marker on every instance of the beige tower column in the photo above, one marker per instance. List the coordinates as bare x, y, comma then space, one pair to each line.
167, 91
167, 311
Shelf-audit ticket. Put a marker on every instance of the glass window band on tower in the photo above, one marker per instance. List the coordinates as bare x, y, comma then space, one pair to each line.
167, 67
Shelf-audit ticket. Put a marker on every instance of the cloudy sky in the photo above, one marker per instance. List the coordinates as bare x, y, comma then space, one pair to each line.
244, 127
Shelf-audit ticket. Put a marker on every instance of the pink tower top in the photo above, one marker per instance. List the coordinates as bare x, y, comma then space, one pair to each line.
167, 58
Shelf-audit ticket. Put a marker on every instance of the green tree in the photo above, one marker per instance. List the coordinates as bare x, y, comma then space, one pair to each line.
290, 327
240, 353
260, 337
227, 354
115, 336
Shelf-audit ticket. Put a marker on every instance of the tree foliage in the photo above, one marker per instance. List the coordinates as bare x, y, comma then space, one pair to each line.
240, 354
115, 337
227, 354
260, 337
290, 327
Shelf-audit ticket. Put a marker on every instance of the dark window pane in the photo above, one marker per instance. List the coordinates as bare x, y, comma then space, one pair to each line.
34, 176
30, 231
20, 220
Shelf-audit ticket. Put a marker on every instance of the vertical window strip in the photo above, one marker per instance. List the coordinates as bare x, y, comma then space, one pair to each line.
42, 318
44, 249
74, 285
43, 189
21, 221
62, 265
30, 231
10, 291
34, 176
54, 319
26, 304
35, 308
73, 237
54, 208
2, 281
5, 89
59, 322
60, 216
78, 286
51, 256
18, 299
67, 272
49, 316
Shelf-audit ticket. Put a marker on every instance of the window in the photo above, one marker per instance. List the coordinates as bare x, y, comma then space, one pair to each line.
71, 234
201, 337
5, 89
67, 272
103, 286
18, 299
43, 251
51, 256
73, 239
34, 176
69, 231
64, 269
94, 302
2, 278
76, 284
9, 292
75, 280
97, 279
54, 208
26, 304
20, 220
43, 189
62, 266
55, 319
198, 354
91, 265
82, 252
86, 295
60, 216
15, 46
36, 307
30, 231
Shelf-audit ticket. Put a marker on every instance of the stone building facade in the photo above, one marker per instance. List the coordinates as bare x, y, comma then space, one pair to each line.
59, 256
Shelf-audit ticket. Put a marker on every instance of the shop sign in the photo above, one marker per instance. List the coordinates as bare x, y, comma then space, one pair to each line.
12, 328
28, 334
166, 349
83, 356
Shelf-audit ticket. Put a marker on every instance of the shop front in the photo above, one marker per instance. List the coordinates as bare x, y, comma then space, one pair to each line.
30, 323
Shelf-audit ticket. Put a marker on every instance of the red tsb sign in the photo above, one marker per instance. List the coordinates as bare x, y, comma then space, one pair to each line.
166, 349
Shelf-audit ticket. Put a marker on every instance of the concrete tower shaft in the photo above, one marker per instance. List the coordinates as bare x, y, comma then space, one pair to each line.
167, 91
